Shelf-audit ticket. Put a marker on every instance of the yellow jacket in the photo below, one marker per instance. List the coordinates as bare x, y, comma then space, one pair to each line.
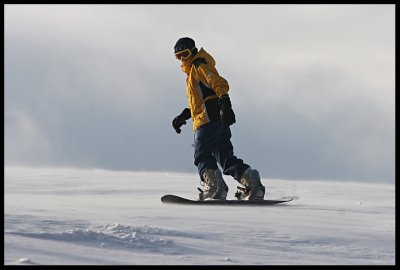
203, 88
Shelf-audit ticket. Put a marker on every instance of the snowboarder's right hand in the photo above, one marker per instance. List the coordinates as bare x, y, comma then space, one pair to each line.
180, 120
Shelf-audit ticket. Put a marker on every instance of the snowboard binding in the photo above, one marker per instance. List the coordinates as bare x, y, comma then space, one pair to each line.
241, 191
246, 193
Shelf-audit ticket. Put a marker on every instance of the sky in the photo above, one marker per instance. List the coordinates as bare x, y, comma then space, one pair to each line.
97, 86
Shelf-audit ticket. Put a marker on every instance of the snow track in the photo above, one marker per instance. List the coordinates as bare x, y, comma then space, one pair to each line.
70, 216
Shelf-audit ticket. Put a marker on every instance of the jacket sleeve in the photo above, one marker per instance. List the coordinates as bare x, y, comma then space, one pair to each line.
214, 80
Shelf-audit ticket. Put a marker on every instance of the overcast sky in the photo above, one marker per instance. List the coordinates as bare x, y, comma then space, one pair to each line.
312, 86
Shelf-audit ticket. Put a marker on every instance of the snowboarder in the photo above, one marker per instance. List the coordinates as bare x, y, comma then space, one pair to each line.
211, 112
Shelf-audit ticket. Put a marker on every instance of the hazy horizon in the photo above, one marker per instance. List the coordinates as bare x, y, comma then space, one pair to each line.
97, 86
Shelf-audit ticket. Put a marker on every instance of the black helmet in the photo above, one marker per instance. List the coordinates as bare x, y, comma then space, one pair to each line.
185, 43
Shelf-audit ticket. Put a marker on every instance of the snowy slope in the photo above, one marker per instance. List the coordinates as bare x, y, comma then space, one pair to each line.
70, 216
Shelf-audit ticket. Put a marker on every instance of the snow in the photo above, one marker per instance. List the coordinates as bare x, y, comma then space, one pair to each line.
58, 216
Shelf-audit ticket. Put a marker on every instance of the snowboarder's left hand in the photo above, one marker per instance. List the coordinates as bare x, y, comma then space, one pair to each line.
227, 114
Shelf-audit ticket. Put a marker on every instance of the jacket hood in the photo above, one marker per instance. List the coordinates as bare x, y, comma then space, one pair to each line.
201, 54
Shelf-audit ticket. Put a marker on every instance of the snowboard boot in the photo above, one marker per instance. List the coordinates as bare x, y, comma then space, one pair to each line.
253, 189
214, 186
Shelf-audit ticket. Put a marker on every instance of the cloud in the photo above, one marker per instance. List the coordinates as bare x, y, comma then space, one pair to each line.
25, 141
98, 85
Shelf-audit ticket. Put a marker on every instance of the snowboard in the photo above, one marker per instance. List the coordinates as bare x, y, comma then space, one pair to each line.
181, 200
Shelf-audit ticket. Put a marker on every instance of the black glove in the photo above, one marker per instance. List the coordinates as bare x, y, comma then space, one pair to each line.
227, 114
180, 120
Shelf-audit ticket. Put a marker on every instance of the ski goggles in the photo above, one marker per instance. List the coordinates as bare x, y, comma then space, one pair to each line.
183, 54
